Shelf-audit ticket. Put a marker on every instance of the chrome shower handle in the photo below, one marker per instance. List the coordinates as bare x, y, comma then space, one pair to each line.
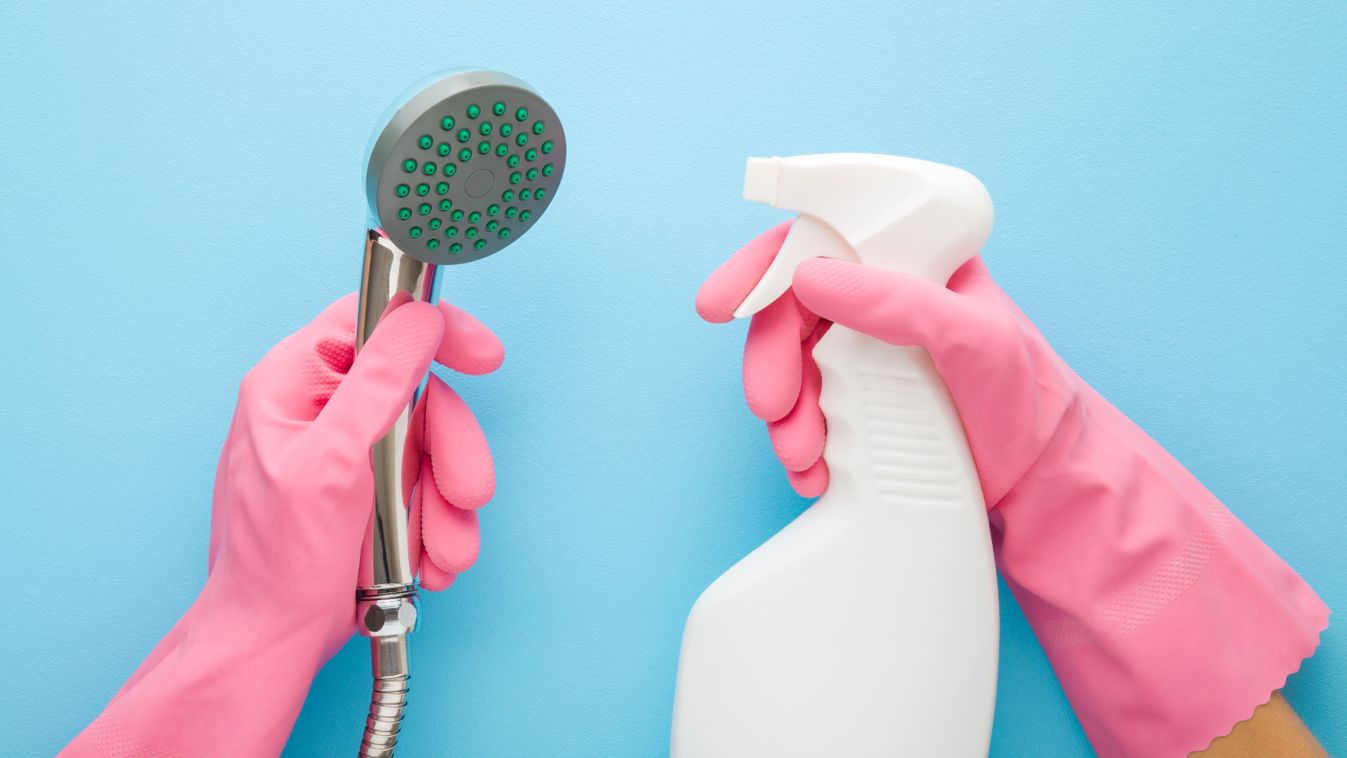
386, 597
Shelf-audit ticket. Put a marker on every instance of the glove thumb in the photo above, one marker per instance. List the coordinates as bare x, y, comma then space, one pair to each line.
383, 376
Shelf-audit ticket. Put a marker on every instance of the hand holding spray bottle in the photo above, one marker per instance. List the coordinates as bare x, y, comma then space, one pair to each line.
868, 626
1140, 584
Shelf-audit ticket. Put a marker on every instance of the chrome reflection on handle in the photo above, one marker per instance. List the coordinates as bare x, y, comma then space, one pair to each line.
389, 278
386, 597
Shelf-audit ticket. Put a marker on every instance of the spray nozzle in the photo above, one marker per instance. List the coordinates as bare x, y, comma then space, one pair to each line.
760, 179
902, 214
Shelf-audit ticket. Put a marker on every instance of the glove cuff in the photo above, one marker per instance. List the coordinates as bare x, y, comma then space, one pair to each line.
1166, 620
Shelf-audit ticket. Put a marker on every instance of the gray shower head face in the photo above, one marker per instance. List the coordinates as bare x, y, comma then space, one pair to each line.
465, 166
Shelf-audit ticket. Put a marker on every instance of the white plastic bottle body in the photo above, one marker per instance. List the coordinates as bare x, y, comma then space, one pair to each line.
868, 626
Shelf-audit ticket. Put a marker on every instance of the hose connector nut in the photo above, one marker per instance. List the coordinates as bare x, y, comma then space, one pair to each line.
386, 617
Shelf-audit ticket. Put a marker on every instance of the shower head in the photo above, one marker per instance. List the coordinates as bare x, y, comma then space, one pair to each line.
464, 165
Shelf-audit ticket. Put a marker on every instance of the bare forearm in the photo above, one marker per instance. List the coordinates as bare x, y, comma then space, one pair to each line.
1274, 731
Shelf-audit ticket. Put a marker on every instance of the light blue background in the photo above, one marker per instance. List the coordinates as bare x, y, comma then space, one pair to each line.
181, 188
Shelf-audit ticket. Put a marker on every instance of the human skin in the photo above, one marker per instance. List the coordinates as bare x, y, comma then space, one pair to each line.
1274, 731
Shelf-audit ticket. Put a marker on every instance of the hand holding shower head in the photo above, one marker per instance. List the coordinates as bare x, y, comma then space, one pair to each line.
461, 167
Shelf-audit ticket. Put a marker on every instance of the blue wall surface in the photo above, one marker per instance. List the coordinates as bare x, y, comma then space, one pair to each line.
180, 187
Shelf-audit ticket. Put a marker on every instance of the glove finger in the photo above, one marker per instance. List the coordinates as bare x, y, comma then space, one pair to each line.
382, 378
434, 578
995, 375
727, 286
798, 437
809, 320
336, 319
459, 456
812, 482
295, 379
468, 345
890, 306
772, 359
451, 536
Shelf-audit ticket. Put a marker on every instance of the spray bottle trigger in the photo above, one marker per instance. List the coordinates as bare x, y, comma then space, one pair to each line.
809, 237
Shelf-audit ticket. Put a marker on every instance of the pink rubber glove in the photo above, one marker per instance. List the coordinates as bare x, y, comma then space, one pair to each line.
1166, 620
292, 506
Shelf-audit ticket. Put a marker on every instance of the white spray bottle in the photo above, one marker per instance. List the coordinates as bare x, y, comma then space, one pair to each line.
868, 626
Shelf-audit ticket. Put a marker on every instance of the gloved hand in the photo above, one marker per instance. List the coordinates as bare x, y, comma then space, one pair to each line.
293, 499
1166, 620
